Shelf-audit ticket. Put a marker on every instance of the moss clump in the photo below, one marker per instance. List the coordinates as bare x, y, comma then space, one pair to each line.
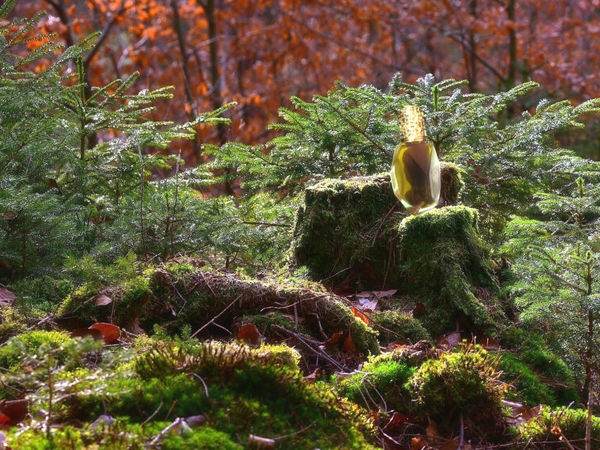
129, 298
394, 326
548, 425
465, 382
31, 343
528, 386
345, 228
239, 390
529, 349
444, 264
205, 438
381, 384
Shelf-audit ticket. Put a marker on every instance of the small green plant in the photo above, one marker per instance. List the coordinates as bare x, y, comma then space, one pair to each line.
558, 424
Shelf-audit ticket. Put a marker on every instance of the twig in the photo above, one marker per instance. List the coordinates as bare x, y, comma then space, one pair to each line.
217, 316
461, 436
151, 416
302, 430
177, 422
309, 347
203, 383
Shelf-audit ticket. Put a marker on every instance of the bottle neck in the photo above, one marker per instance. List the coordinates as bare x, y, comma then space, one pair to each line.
412, 124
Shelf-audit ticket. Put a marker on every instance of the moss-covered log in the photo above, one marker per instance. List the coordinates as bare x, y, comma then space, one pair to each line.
345, 231
173, 297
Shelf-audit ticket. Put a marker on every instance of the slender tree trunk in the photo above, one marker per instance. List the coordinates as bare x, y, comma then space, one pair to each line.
185, 65
472, 69
512, 45
210, 9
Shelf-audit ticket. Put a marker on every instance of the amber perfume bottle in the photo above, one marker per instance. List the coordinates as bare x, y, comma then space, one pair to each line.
415, 170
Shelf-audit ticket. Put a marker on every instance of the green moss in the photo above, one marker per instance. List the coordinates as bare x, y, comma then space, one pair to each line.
444, 264
531, 350
394, 326
129, 299
249, 392
31, 343
344, 229
528, 386
571, 422
465, 382
380, 385
203, 438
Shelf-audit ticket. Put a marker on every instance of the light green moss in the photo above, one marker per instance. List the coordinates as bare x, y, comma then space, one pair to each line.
394, 326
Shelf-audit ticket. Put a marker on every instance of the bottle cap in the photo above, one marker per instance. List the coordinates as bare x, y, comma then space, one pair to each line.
412, 124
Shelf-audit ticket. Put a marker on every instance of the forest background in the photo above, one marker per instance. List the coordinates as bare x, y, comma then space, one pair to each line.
259, 53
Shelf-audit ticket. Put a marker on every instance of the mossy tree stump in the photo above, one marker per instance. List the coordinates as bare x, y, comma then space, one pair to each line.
354, 235
345, 231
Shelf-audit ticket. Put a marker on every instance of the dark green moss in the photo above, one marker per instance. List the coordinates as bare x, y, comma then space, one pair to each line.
527, 385
530, 349
445, 265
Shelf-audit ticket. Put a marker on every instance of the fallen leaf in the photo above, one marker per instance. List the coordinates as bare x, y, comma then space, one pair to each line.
432, 429
16, 410
109, 331
365, 304
360, 315
4, 419
7, 297
349, 345
449, 340
249, 334
418, 443
383, 294
334, 339
389, 443
103, 300
102, 420
313, 376
83, 332
135, 327
418, 309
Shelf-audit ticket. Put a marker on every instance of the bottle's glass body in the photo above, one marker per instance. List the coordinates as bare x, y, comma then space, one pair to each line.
415, 176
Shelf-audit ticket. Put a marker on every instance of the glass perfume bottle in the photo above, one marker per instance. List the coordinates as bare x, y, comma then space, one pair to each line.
415, 169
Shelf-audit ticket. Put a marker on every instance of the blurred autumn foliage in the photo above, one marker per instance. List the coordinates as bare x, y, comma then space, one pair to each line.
260, 52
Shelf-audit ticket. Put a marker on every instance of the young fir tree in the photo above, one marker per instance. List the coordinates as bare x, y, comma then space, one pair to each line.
354, 131
77, 164
558, 262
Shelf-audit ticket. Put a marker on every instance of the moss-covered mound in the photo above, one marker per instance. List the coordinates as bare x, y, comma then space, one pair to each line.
345, 231
184, 394
173, 296
444, 264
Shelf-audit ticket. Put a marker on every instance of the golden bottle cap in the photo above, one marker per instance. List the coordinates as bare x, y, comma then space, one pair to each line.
412, 124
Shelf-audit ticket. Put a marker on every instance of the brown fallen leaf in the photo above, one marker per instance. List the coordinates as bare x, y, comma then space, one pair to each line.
17, 410
103, 300
109, 331
7, 297
432, 429
360, 315
334, 339
249, 334
349, 345
418, 443
418, 309
450, 340
83, 332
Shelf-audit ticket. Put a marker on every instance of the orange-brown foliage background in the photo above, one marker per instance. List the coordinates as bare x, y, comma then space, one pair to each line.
261, 52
